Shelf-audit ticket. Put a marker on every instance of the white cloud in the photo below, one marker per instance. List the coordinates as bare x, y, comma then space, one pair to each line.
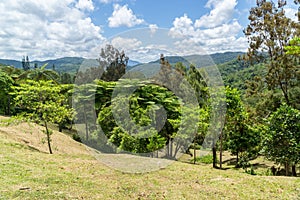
125, 44
108, 1
85, 5
149, 53
182, 26
222, 12
290, 13
224, 30
220, 35
153, 28
43, 30
123, 16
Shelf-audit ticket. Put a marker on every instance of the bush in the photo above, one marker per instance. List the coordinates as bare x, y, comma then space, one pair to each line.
197, 146
207, 159
76, 137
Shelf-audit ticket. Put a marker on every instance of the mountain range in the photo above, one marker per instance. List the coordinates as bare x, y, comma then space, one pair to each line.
72, 64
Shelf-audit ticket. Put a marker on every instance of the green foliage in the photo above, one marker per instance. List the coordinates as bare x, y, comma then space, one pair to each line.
241, 136
207, 159
239, 74
76, 137
113, 62
294, 46
66, 78
149, 106
42, 101
268, 32
143, 107
40, 73
6, 82
281, 139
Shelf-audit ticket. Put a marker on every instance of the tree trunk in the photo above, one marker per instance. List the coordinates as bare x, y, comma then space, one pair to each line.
167, 150
8, 105
287, 168
60, 128
214, 150
177, 148
86, 124
221, 148
48, 137
294, 172
171, 148
194, 152
285, 93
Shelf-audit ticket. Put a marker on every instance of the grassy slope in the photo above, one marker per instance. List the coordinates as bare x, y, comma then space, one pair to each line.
71, 173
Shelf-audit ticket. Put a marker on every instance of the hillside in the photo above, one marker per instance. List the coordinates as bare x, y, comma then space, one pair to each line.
28, 172
235, 74
203, 60
72, 64
66, 64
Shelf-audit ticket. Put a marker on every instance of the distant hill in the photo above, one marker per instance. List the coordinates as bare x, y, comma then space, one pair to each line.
203, 60
65, 64
15, 63
72, 64
149, 69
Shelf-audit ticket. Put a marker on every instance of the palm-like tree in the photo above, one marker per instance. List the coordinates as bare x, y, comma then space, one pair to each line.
11, 71
41, 73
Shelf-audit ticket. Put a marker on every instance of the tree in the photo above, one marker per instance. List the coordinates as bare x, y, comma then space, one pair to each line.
66, 78
83, 98
282, 138
197, 80
6, 82
113, 62
240, 136
13, 72
25, 63
268, 33
42, 101
40, 73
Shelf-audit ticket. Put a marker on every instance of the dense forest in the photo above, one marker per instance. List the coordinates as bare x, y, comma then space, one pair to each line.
174, 111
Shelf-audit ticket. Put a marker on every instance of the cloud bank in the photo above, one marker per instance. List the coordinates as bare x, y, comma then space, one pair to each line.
47, 29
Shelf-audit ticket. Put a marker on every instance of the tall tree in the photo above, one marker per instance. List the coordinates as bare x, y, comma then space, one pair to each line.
113, 62
240, 136
26, 63
268, 32
42, 101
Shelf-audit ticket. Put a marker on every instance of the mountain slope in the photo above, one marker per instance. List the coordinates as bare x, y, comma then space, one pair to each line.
72, 64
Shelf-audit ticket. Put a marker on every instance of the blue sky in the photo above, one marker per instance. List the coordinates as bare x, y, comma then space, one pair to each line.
48, 29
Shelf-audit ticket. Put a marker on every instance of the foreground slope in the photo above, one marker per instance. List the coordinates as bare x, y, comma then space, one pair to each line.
27, 171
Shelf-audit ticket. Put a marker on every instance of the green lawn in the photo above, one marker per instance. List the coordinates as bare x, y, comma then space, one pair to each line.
26, 173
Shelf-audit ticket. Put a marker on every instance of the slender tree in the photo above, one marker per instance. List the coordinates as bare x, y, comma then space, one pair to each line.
43, 102
113, 62
268, 32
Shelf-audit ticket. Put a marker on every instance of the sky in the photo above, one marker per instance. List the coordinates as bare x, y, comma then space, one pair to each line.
50, 29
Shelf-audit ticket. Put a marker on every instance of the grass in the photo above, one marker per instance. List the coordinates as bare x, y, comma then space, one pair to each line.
27, 172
